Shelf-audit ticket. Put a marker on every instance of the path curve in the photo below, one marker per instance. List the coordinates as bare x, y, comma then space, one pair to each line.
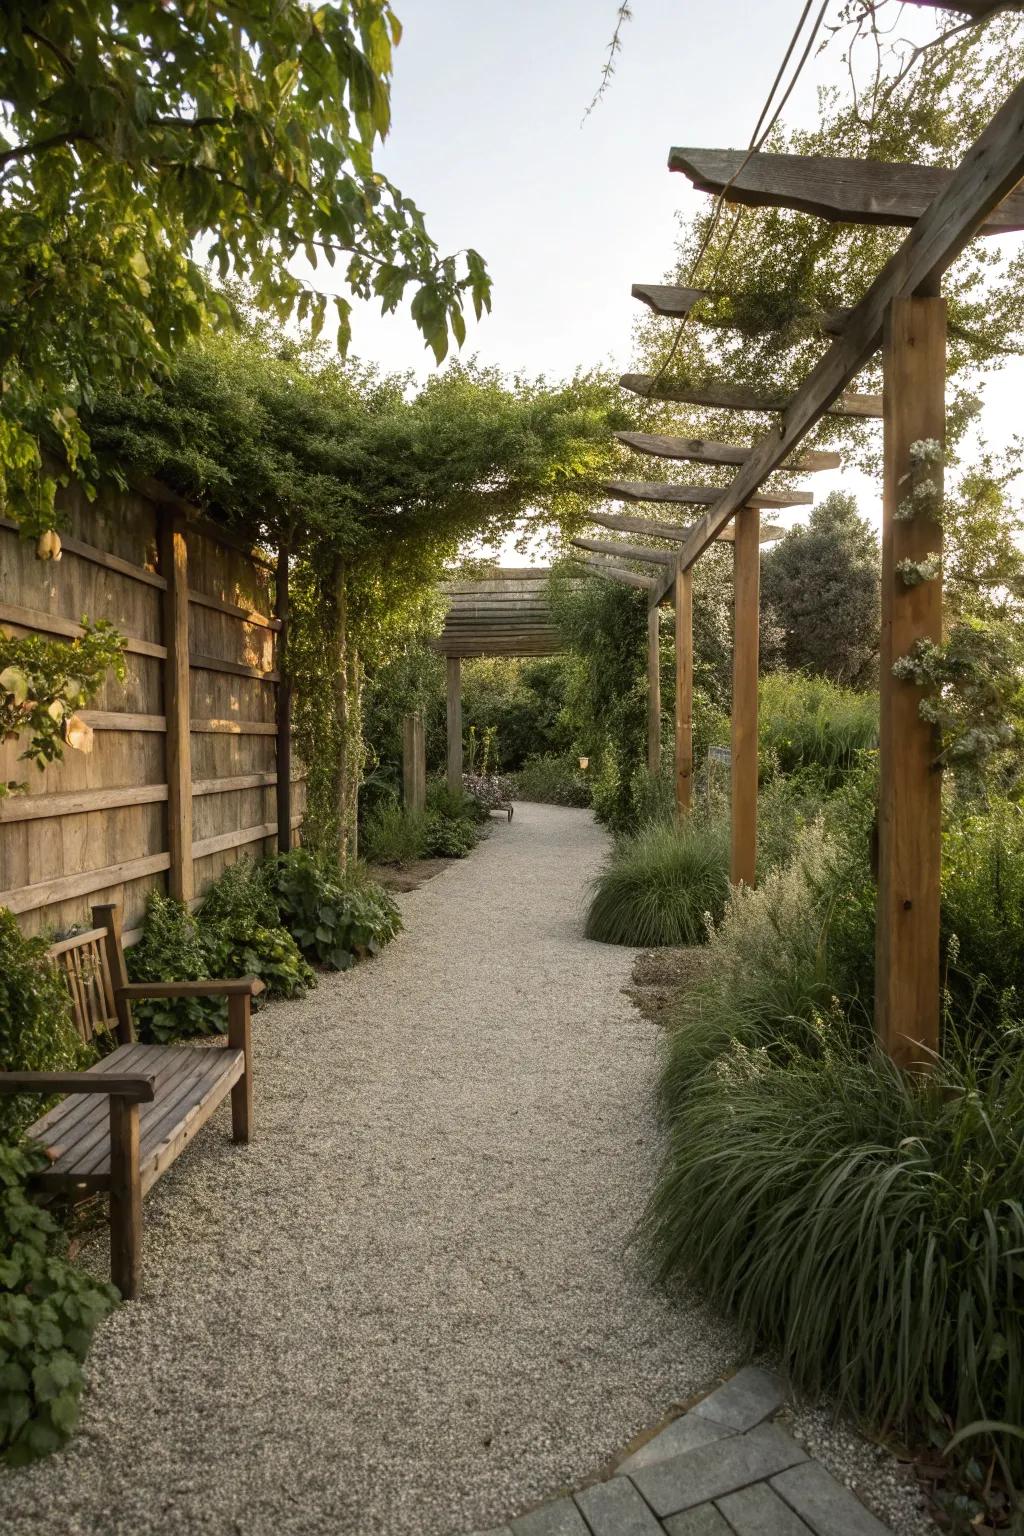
409, 1305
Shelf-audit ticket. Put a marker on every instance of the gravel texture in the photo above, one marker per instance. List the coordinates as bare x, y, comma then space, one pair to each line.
410, 1304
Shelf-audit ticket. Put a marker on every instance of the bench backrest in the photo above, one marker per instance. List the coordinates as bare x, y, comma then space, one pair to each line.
92, 964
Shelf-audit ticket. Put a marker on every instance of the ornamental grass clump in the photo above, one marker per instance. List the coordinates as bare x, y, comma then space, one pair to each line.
661, 886
864, 1224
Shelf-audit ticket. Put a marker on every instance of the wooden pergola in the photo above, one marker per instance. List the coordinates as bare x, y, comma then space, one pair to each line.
904, 314
502, 612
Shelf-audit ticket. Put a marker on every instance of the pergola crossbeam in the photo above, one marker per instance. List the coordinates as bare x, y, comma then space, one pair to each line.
614, 572
839, 190
700, 495
737, 397
699, 450
626, 551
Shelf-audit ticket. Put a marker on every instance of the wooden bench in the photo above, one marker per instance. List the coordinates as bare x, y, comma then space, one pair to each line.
126, 1119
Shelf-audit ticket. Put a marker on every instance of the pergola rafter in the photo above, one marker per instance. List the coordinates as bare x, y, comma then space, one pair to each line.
945, 210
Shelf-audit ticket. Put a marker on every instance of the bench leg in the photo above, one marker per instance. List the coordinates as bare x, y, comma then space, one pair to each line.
125, 1197
240, 1038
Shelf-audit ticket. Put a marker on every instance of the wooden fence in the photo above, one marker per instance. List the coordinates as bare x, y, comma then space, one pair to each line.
182, 779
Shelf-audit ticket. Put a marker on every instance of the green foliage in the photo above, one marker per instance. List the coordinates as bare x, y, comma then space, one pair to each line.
983, 903
243, 934
812, 723
336, 918
862, 1223
128, 135
821, 582
48, 1313
553, 779
37, 1033
661, 886
42, 684
449, 837
393, 835
173, 948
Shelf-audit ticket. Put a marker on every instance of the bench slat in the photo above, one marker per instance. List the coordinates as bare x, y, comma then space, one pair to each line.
189, 1085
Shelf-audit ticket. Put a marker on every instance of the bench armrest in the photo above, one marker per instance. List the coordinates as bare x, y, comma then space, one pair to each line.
243, 986
135, 1086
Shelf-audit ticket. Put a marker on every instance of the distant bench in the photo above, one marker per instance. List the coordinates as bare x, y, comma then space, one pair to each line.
126, 1119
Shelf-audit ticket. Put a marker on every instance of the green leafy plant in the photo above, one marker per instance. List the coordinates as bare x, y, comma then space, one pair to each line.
394, 835
449, 837
336, 918
44, 682
49, 1311
173, 948
243, 935
36, 1029
553, 779
661, 885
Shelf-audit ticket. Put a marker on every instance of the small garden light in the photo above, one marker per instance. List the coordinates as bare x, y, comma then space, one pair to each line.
584, 763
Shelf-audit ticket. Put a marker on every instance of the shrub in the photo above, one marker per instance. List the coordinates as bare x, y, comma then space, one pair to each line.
48, 1313
453, 804
173, 948
983, 892
36, 1029
336, 918
394, 835
449, 837
863, 1223
807, 722
243, 934
659, 885
552, 780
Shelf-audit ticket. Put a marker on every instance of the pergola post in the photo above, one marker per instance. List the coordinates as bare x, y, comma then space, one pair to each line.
455, 723
284, 709
653, 691
746, 625
907, 998
684, 690
177, 707
414, 763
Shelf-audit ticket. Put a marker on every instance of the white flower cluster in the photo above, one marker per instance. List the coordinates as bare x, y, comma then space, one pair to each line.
925, 497
913, 572
927, 450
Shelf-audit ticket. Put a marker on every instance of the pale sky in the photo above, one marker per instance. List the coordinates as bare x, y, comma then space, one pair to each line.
487, 139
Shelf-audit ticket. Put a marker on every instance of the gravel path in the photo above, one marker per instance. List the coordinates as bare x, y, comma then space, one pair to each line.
409, 1305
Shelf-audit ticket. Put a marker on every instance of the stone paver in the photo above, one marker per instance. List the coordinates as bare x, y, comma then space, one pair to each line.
758, 1511
683, 1434
559, 1519
828, 1508
616, 1509
746, 1399
713, 1470
705, 1520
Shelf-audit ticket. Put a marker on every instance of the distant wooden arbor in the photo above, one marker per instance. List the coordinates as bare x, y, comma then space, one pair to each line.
502, 612
904, 314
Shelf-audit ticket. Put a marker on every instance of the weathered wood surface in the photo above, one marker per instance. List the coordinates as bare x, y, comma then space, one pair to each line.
655, 529
746, 633
699, 495
699, 450
107, 815
907, 959
626, 551
283, 746
414, 763
737, 397
842, 191
454, 722
503, 612
684, 691
653, 692
992, 167
177, 708
675, 303
619, 573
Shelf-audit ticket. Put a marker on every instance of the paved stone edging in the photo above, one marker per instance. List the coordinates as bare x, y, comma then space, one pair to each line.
722, 1469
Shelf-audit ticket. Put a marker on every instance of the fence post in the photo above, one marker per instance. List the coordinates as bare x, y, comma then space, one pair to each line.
177, 706
746, 624
684, 690
653, 691
907, 959
284, 709
455, 723
414, 763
